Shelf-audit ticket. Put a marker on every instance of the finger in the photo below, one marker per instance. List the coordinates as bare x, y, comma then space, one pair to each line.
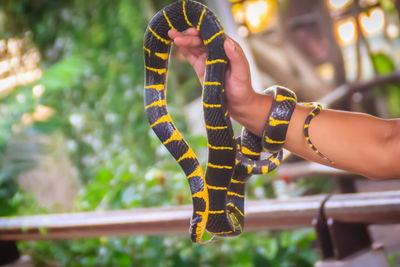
191, 52
239, 66
192, 32
173, 34
188, 41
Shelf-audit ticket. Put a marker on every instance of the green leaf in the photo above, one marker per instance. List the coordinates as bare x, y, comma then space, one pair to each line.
382, 63
388, 6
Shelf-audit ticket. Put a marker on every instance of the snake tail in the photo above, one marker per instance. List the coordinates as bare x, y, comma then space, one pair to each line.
316, 110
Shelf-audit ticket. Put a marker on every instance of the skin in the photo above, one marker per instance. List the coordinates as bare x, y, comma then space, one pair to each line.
356, 142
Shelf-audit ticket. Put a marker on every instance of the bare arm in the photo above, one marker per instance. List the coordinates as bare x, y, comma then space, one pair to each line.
356, 142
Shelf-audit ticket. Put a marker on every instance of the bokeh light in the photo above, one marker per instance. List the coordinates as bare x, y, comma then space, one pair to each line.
392, 31
259, 14
346, 31
17, 67
372, 22
338, 4
38, 90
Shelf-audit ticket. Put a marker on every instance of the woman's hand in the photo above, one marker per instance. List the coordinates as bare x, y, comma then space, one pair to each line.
239, 92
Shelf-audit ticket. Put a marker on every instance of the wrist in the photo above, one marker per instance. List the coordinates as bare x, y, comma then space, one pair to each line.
253, 112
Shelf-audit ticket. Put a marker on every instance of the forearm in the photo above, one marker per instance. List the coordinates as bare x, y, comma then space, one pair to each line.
356, 142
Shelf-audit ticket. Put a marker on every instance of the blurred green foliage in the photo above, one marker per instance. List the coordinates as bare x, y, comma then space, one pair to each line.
251, 249
383, 64
93, 75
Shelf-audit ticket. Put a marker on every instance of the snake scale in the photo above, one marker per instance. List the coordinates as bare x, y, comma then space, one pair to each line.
218, 195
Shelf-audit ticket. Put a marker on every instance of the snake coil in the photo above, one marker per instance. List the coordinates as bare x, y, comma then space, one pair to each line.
218, 196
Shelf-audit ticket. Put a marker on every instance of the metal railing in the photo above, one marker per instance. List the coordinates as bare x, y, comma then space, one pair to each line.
371, 208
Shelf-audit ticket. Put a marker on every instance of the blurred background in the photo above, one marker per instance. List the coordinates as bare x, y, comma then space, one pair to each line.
74, 135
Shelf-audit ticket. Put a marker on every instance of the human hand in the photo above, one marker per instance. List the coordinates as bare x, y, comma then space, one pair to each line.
239, 92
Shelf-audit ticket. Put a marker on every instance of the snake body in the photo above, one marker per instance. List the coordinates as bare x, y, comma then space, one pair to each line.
218, 195
212, 186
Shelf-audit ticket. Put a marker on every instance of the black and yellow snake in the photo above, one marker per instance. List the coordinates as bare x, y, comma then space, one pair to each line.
218, 196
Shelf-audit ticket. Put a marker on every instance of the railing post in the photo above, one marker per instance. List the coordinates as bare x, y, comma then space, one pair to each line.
345, 244
8, 252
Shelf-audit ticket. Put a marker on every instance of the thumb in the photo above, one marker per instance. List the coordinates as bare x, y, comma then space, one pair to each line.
239, 66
